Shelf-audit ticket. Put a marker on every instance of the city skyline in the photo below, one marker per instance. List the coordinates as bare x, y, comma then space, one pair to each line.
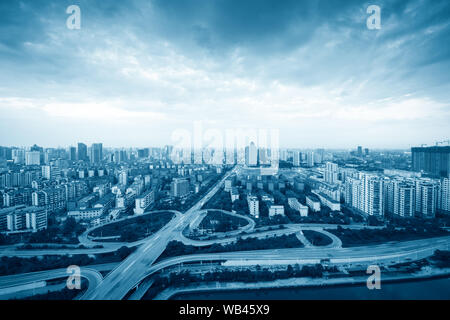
157, 67
231, 150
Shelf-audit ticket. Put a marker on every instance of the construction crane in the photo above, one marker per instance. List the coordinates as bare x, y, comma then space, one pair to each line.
442, 142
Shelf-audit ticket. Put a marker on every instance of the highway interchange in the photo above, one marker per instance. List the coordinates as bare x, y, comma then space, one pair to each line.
139, 265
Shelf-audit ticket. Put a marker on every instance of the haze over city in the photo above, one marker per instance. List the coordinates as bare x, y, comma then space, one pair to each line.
136, 71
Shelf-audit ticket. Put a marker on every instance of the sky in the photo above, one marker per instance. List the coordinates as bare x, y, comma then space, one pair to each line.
138, 71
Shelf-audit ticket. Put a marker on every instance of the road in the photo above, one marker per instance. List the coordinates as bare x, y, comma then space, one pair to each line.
13, 251
92, 274
387, 253
132, 270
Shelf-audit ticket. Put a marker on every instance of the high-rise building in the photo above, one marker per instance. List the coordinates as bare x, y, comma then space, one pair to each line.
331, 172
253, 205
143, 153
404, 200
50, 172
251, 155
359, 151
444, 199
179, 187
123, 178
432, 160
375, 197
297, 158
310, 159
96, 155
33, 158
427, 196
365, 193
72, 154
18, 156
144, 201
82, 151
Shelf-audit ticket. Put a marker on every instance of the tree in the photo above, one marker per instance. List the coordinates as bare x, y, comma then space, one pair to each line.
69, 226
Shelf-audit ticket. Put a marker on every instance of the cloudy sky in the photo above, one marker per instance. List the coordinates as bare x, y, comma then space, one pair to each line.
137, 71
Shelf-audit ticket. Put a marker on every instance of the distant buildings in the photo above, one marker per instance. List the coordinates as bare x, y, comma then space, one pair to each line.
331, 172
310, 159
72, 154
82, 151
359, 151
123, 178
96, 155
33, 158
251, 155
50, 172
297, 159
432, 160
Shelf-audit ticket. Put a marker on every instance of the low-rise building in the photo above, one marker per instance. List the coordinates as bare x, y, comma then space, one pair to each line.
328, 202
86, 214
22, 219
276, 210
144, 201
296, 205
313, 202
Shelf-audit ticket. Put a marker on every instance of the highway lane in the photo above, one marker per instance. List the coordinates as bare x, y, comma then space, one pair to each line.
13, 251
290, 229
130, 272
390, 253
93, 276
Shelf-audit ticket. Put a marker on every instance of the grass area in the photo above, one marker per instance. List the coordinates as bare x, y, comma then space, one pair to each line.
176, 248
217, 221
221, 200
317, 238
134, 229
352, 238
15, 265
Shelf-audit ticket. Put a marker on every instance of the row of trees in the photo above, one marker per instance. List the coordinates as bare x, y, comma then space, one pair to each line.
351, 237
